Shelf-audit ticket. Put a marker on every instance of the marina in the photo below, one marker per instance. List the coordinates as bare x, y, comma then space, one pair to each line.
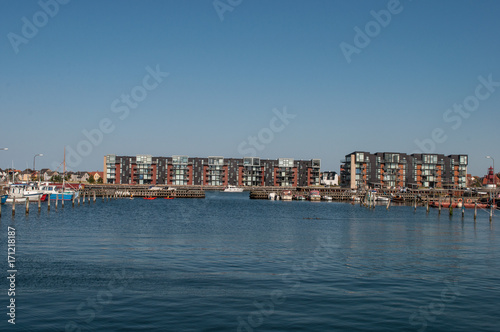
367, 268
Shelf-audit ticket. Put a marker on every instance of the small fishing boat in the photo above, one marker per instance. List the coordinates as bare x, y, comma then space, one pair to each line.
232, 189
149, 198
168, 197
382, 198
314, 195
273, 196
300, 198
3, 199
16, 193
286, 195
327, 198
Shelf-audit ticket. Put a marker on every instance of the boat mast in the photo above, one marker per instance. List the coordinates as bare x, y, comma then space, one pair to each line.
64, 166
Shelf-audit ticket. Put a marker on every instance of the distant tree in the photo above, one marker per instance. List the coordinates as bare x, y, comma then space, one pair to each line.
56, 178
91, 179
67, 177
99, 180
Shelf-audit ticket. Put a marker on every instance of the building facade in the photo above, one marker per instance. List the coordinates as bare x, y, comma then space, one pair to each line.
211, 171
393, 169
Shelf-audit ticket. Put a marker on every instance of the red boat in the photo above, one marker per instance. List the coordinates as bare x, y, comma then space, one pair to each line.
168, 198
149, 198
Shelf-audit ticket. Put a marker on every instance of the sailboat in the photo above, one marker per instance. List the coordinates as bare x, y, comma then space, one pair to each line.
64, 194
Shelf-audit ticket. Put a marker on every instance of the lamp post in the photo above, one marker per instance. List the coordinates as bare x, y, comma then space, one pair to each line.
37, 155
4, 148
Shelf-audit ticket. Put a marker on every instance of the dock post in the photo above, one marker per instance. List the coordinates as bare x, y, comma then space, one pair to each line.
0, 210
451, 205
73, 200
27, 206
388, 204
83, 201
415, 203
62, 201
39, 203
48, 202
57, 198
439, 205
475, 211
491, 212
427, 207
14, 206
94, 196
463, 206
102, 195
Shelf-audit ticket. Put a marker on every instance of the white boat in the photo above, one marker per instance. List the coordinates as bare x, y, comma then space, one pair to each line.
327, 198
272, 196
286, 195
232, 189
314, 195
32, 192
16, 190
382, 198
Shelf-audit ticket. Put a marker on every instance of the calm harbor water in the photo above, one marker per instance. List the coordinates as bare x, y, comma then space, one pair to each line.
228, 263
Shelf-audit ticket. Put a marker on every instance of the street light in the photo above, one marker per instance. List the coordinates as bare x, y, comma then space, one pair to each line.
4, 148
37, 155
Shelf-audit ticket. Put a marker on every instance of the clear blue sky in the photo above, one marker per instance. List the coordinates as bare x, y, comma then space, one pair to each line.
226, 77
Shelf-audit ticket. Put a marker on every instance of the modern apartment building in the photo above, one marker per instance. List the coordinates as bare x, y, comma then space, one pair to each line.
393, 169
211, 171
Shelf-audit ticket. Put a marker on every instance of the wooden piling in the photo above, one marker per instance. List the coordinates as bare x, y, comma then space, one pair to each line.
39, 203
57, 199
0, 210
62, 201
83, 201
14, 206
73, 200
27, 206
463, 206
439, 205
48, 203
427, 205
388, 204
94, 196
475, 211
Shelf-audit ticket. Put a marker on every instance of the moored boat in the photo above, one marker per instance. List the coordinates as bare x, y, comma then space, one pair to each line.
3, 199
232, 189
286, 195
314, 195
